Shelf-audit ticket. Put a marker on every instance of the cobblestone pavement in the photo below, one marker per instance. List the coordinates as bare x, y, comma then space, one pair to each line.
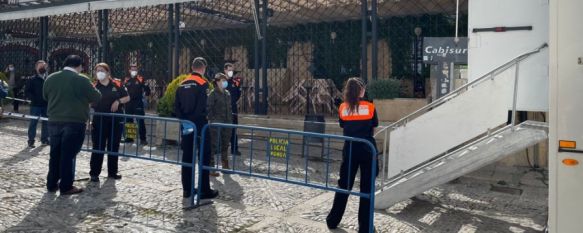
149, 199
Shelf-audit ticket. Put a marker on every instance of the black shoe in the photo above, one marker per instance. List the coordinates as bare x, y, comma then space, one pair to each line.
238, 153
127, 140
73, 190
94, 179
210, 195
143, 142
330, 225
53, 190
30, 144
45, 143
186, 194
115, 176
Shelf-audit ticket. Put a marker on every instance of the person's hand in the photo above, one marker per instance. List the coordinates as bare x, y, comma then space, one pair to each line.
115, 106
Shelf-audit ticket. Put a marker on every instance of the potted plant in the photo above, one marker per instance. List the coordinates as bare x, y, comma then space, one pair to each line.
389, 107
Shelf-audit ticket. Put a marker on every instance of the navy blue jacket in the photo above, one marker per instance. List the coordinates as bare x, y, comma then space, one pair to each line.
34, 91
191, 100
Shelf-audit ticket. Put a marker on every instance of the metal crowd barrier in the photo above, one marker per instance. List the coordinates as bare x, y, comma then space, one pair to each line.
164, 155
148, 153
272, 154
275, 153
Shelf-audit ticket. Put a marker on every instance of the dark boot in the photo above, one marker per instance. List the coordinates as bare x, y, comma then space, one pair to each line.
226, 164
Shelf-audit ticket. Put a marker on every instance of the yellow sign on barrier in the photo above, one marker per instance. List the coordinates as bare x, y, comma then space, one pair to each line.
131, 130
278, 147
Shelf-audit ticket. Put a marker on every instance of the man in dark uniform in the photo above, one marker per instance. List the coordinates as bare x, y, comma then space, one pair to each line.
137, 88
191, 104
234, 89
38, 105
106, 130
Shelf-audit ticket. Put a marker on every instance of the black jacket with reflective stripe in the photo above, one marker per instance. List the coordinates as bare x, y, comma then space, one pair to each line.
191, 100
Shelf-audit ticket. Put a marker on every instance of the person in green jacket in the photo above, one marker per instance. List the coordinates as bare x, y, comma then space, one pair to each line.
68, 95
219, 111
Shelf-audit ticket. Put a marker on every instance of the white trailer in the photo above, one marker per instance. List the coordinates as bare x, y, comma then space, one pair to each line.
566, 117
537, 80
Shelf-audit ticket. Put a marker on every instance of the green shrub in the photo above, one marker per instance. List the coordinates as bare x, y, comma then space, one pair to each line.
384, 89
165, 106
3, 77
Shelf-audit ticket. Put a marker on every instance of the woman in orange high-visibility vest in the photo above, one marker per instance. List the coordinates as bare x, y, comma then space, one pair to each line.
358, 119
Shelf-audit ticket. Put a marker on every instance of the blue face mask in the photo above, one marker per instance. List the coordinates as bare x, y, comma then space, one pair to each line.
225, 84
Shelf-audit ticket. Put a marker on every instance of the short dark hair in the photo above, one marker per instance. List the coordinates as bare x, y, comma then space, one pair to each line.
199, 63
73, 61
227, 65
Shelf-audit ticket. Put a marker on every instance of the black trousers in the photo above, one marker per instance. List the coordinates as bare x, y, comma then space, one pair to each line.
106, 136
234, 139
16, 103
188, 157
361, 158
141, 125
66, 140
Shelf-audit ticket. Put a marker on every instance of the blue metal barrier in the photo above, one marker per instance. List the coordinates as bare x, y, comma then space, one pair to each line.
285, 155
164, 157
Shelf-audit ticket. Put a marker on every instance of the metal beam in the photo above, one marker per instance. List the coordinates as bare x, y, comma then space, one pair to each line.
264, 55
220, 15
44, 45
177, 39
170, 41
100, 35
364, 40
256, 65
72, 6
375, 44
105, 36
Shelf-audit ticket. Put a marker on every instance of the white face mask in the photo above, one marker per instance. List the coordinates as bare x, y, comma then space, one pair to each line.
101, 76
230, 74
133, 73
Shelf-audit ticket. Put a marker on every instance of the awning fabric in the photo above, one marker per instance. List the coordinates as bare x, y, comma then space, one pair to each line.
82, 7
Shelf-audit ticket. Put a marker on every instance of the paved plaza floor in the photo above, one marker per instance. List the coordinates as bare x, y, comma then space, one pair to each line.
149, 199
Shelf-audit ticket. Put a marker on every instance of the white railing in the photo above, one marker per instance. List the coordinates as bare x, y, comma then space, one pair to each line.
490, 75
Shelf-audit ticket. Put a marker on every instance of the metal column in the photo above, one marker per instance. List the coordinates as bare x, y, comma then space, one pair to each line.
170, 41
177, 39
44, 36
264, 62
105, 36
100, 35
375, 45
256, 66
363, 55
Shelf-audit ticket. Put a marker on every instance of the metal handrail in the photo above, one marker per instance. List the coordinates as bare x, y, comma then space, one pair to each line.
412, 170
491, 75
452, 94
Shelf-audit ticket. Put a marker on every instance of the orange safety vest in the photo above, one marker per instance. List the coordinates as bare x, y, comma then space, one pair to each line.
115, 82
365, 112
196, 78
139, 77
